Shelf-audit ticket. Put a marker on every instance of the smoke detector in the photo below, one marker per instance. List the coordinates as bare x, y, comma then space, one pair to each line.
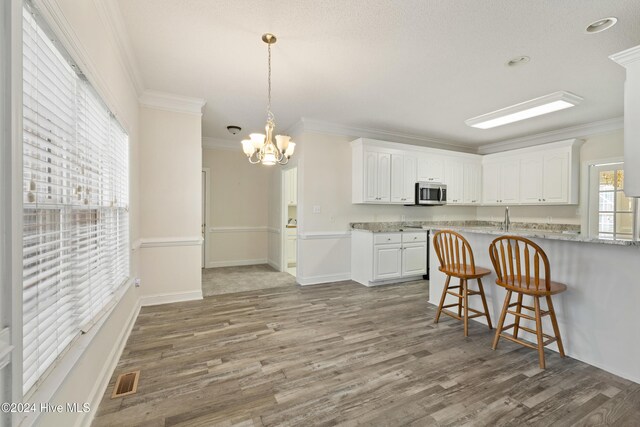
234, 129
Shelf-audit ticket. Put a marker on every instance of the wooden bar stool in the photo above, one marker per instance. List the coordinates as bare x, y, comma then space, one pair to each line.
456, 260
512, 259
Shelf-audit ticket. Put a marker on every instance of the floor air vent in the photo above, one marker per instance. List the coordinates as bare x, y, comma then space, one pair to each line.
126, 384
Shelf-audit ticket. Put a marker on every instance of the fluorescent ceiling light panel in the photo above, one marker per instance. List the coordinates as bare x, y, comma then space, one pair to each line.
525, 110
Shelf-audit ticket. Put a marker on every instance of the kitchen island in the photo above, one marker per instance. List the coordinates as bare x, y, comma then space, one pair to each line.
597, 314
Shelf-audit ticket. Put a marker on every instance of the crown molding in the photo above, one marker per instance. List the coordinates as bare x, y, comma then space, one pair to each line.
111, 16
627, 57
579, 131
170, 102
311, 125
220, 144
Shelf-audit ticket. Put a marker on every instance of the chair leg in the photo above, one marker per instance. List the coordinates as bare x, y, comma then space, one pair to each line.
503, 314
484, 302
460, 300
536, 302
465, 295
442, 298
516, 326
554, 322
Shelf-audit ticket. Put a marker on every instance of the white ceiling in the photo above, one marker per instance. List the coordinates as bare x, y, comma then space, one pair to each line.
417, 67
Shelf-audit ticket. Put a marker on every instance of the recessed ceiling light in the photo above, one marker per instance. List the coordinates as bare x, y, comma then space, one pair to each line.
525, 110
601, 25
518, 60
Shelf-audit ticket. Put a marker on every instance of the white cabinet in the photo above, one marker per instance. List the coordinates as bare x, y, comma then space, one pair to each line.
543, 178
544, 174
454, 179
472, 183
500, 182
377, 176
630, 59
379, 258
430, 168
291, 251
292, 186
387, 261
403, 178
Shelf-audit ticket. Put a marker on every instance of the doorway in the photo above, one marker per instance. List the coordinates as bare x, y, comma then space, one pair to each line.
289, 220
204, 215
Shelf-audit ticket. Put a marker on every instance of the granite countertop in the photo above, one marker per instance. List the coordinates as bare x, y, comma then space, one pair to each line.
567, 232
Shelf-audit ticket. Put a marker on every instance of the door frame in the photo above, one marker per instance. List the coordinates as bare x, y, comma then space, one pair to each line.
284, 206
206, 208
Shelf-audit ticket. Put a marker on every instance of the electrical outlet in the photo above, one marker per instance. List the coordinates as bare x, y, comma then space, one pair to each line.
403, 218
549, 220
137, 282
316, 209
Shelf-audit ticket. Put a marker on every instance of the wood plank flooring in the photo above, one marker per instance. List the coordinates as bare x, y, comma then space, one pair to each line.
343, 354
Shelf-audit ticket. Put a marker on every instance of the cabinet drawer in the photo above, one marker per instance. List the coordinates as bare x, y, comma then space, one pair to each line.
385, 238
414, 237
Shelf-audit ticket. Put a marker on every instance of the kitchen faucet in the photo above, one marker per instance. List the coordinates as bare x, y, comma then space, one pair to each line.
507, 221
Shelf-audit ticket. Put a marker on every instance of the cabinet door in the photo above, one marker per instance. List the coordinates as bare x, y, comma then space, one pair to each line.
384, 177
531, 179
370, 176
291, 251
387, 261
430, 169
410, 178
490, 177
472, 183
397, 178
509, 182
454, 179
555, 180
414, 259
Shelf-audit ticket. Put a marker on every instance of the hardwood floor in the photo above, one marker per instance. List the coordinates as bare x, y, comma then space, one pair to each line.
344, 354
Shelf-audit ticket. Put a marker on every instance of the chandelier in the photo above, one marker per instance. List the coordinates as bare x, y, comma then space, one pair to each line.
260, 148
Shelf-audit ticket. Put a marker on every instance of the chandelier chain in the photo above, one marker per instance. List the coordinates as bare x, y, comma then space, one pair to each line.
270, 116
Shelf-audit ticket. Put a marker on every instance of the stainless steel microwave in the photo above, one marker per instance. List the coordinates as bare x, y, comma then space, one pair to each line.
431, 193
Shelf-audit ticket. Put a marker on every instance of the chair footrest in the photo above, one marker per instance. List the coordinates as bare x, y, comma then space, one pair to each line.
516, 340
454, 294
450, 305
526, 316
449, 313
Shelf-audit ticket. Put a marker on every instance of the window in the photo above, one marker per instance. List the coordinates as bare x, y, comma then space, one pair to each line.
75, 235
612, 215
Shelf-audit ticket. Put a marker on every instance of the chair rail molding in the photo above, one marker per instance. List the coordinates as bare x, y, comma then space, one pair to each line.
160, 242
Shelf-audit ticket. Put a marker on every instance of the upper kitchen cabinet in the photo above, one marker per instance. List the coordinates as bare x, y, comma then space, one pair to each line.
545, 174
403, 178
472, 182
431, 168
501, 180
630, 59
371, 174
454, 179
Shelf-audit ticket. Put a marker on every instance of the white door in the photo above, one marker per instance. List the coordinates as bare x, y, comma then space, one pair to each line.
490, 175
387, 261
370, 176
410, 179
509, 182
472, 183
531, 179
555, 167
384, 177
293, 186
454, 179
397, 178
414, 259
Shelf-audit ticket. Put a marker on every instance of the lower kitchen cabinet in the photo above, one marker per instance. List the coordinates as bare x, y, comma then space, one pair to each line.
382, 258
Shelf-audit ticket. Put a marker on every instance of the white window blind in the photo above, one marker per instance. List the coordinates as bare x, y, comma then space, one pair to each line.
76, 236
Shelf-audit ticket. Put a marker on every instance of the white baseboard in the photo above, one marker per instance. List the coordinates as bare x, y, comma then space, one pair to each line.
101, 383
393, 281
273, 264
171, 297
316, 280
235, 263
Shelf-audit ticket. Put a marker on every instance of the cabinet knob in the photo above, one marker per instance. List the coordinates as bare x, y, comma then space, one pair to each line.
544, 200
389, 239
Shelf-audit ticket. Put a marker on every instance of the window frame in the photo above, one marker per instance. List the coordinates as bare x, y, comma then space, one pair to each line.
593, 205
